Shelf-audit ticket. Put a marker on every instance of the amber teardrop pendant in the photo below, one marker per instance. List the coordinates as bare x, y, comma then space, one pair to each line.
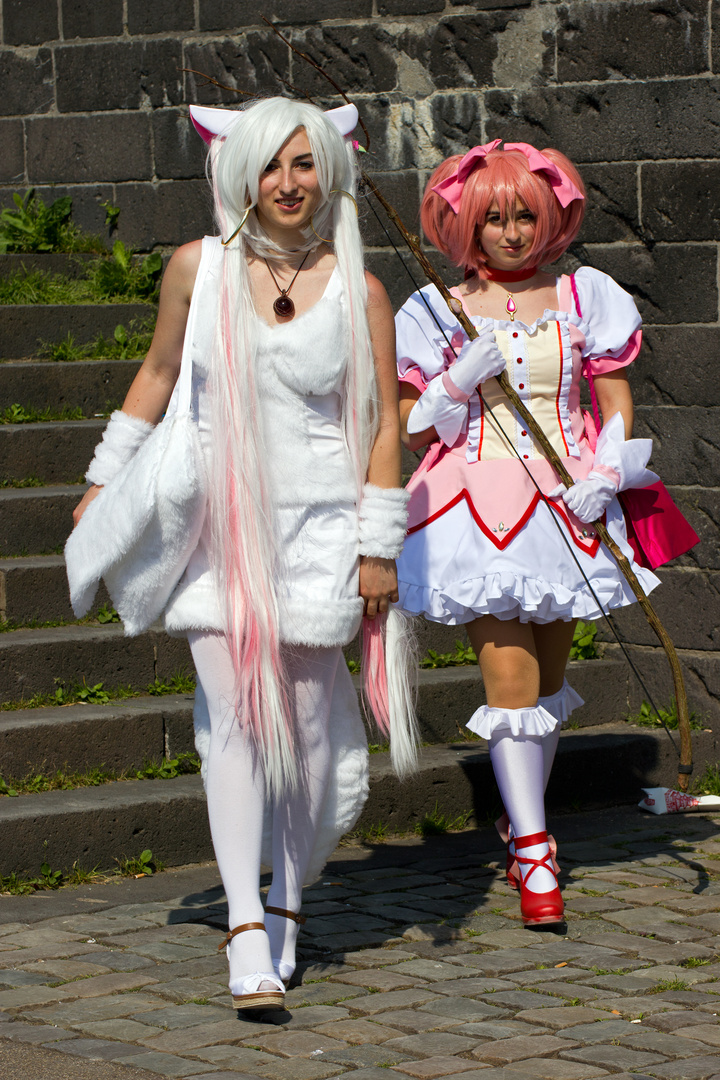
284, 307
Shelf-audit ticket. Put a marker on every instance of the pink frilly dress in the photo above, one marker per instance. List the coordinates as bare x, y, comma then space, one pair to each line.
480, 539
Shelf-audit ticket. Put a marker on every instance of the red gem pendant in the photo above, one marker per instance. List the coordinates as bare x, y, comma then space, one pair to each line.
284, 307
511, 308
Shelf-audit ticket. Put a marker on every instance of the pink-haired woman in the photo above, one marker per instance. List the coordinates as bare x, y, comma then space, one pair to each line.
295, 396
492, 543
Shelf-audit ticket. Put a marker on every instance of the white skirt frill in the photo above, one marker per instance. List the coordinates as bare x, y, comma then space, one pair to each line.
451, 573
561, 704
488, 721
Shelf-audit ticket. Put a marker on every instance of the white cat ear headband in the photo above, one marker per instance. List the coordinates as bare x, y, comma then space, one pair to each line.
211, 122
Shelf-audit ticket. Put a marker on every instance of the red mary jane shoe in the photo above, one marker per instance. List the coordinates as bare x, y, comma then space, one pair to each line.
537, 909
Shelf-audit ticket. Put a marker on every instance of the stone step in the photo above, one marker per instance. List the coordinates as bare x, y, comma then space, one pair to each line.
34, 661
57, 452
73, 265
60, 451
24, 327
123, 734
93, 826
94, 385
35, 589
37, 521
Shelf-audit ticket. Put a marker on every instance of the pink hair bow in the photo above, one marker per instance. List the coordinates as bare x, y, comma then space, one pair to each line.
451, 188
563, 188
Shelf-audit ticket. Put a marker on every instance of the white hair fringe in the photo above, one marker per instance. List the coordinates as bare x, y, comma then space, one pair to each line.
241, 514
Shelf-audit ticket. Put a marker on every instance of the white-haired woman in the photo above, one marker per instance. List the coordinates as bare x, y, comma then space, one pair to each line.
296, 399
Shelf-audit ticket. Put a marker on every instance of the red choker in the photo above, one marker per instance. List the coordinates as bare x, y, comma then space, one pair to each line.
509, 275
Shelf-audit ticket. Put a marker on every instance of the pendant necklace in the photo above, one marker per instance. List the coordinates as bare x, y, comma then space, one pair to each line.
283, 305
509, 275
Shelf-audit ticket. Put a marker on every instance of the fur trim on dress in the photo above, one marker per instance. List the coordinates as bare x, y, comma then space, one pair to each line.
334, 622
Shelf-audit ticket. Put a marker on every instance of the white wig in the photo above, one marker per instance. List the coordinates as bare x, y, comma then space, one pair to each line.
241, 512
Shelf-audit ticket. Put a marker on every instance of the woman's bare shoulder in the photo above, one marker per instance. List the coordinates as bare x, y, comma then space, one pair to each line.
377, 293
181, 270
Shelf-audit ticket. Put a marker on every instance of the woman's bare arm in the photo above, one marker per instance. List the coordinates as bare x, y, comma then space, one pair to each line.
378, 578
408, 396
614, 396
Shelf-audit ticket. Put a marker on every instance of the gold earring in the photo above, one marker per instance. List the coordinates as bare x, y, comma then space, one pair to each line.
341, 191
243, 219
318, 234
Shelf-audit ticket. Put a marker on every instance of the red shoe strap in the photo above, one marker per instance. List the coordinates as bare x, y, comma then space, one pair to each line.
530, 840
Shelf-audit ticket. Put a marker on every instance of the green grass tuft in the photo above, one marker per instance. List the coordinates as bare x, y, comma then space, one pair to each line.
34, 227
464, 655
583, 644
18, 414
436, 822
648, 717
709, 782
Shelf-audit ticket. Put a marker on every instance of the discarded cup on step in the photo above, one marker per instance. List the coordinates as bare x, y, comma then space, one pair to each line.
662, 800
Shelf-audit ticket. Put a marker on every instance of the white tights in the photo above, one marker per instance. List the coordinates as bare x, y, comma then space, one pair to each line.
236, 799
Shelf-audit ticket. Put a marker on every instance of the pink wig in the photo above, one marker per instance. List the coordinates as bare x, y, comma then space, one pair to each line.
503, 175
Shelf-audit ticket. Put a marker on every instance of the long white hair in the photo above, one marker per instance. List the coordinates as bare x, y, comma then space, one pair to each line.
241, 512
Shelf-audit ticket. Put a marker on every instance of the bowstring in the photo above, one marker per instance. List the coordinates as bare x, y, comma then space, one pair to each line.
543, 498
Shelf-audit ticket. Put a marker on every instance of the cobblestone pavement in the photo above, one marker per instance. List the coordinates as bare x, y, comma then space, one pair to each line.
414, 960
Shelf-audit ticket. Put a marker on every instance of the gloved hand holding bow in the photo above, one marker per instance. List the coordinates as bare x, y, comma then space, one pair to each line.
444, 403
620, 463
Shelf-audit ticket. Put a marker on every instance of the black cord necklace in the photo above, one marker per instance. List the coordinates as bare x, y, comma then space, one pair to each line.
283, 305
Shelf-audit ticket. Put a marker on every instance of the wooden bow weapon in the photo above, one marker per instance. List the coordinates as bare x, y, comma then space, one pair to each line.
413, 242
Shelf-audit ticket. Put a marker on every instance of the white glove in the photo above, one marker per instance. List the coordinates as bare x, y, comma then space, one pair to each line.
587, 498
620, 464
444, 403
479, 360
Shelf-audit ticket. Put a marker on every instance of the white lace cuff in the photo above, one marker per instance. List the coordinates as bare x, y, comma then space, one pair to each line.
440, 409
120, 442
627, 457
383, 521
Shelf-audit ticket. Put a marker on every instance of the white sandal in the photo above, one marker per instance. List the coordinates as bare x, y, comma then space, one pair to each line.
254, 990
284, 970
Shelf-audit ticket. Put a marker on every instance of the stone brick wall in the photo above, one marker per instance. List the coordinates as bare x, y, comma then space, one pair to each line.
94, 101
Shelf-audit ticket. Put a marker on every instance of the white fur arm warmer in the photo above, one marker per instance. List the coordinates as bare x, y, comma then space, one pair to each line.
120, 442
383, 521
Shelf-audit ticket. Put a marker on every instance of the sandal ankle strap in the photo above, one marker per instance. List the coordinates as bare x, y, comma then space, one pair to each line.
239, 930
530, 840
296, 918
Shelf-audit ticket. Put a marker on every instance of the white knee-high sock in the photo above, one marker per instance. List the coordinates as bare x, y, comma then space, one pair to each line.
517, 762
559, 705
310, 677
236, 802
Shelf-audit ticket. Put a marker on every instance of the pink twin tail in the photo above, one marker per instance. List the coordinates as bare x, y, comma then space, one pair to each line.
451, 188
375, 683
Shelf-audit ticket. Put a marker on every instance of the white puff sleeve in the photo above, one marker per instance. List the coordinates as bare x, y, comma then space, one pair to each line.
426, 348
609, 319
